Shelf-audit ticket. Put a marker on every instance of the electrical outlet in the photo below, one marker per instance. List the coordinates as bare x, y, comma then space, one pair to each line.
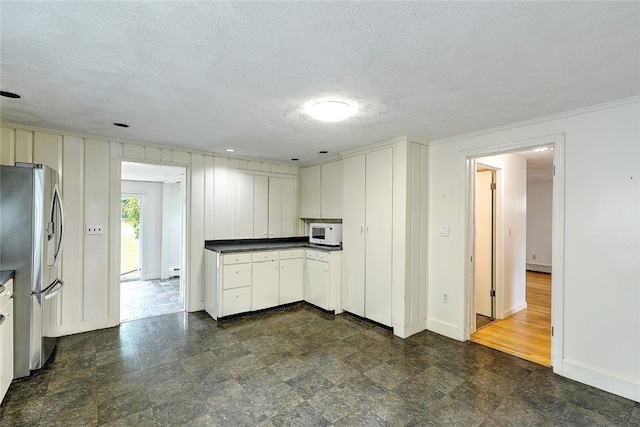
445, 298
95, 229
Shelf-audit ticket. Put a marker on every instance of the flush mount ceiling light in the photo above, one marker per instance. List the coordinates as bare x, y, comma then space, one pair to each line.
330, 110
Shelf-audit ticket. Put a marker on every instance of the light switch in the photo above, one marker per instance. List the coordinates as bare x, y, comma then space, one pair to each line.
94, 229
444, 231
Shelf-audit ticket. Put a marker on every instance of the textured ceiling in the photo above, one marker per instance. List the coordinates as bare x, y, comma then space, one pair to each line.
211, 75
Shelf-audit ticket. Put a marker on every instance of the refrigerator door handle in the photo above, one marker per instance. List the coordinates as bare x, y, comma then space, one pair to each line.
2, 318
57, 196
54, 290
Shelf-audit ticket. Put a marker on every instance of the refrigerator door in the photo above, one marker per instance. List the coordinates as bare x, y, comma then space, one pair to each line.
42, 309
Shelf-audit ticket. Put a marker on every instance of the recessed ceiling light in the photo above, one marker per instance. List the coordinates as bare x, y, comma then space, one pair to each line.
230, 150
121, 125
9, 94
294, 160
542, 149
323, 152
330, 110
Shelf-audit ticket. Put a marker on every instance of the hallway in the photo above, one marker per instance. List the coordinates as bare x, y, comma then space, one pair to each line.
526, 334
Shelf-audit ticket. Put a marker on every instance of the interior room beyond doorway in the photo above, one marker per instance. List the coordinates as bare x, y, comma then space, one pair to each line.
152, 240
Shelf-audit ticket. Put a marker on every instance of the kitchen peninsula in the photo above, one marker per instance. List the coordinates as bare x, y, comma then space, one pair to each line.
245, 275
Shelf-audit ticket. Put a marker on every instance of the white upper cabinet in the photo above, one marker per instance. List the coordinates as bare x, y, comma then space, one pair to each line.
310, 192
321, 191
265, 206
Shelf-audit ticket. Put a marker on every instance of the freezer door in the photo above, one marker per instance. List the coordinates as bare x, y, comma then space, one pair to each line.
43, 309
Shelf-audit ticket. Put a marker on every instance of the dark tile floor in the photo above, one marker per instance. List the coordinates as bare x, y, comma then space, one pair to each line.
146, 298
295, 367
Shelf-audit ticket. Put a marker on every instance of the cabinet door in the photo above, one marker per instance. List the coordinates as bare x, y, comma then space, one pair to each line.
275, 207
291, 278
310, 192
317, 283
378, 235
353, 222
236, 301
288, 208
265, 287
331, 190
6, 348
261, 207
244, 206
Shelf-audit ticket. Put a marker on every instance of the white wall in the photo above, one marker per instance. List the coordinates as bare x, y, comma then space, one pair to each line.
539, 215
150, 194
511, 177
600, 320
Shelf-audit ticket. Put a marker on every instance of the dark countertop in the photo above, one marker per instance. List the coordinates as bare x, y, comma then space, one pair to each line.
257, 245
5, 275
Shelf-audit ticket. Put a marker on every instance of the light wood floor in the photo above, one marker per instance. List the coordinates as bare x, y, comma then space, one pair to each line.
526, 334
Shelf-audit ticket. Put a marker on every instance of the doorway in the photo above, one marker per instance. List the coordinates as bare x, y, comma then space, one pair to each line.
130, 248
520, 312
153, 211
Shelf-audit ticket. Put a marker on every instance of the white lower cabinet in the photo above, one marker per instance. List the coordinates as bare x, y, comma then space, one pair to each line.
265, 290
250, 281
322, 279
6, 337
291, 276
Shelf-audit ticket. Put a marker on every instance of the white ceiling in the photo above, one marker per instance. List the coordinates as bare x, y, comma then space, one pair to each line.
149, 173
211, 75
539, 165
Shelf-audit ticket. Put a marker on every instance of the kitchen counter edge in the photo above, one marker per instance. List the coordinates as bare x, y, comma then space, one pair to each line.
258, 245
5, 275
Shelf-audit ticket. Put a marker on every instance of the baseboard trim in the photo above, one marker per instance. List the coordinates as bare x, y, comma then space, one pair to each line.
408, 330
80, 327
514, 310
443, 328
603, 380
539, 268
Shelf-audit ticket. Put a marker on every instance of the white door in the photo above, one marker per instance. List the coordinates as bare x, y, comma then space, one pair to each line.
261, 207
317, 292
309, 179
266, 283
288, 203
291, 289
353, 247
378, 235
331, 190
483, 256
244, 206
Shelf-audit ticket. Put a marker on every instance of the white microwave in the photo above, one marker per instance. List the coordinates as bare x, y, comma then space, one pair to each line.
325, 234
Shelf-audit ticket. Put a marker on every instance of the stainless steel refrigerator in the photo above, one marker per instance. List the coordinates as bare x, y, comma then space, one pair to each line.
31, 240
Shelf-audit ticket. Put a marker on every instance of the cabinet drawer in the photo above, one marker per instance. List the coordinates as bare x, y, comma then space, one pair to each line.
236, 301
236, 276
309, 254
291, 253
323, 256
265, 256
5, 295
236, 258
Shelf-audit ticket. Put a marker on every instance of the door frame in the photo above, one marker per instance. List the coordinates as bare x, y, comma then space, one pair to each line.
469, 158
115, 189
